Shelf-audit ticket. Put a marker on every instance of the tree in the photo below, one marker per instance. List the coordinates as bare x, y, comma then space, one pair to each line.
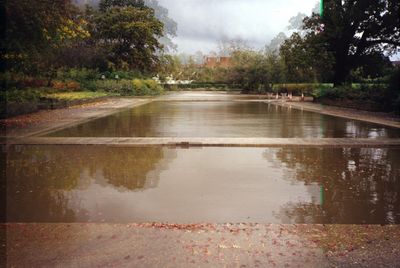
36, 33
171, 65
160, 12
306, 58
296, 22
276, 43
170, 26
250, 71
355, 29
129, 32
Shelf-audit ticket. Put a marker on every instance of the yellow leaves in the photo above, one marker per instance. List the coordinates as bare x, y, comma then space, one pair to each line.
71, 30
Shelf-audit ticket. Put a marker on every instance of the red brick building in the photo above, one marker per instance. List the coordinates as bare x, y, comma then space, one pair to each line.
214, 62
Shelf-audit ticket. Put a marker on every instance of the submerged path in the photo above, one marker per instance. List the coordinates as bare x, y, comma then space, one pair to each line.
372, 117
216, 142
194, 245
51, 120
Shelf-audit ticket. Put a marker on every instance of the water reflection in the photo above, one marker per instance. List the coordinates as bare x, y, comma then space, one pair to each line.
358, 185
41, 179
224, 119
264, 185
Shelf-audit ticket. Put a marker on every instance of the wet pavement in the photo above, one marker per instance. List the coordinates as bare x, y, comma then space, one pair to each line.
209, 142
202, 245
51, 120
211, 184
224, 119
79, 182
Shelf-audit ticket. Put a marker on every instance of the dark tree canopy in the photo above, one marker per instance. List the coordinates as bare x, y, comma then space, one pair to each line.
306, 58
355, 29
129, 34
36, 32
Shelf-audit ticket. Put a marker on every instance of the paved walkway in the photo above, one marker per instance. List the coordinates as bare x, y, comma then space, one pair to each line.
50, 120
202, 245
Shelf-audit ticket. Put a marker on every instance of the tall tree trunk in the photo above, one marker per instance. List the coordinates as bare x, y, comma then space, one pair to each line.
341, 69
340, 75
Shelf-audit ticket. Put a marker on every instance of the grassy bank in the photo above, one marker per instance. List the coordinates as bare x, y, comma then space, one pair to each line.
24, 94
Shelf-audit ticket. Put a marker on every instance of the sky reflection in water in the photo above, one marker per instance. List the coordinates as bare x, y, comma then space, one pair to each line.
265, 185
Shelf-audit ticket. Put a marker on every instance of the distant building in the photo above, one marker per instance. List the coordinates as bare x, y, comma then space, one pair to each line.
215, 61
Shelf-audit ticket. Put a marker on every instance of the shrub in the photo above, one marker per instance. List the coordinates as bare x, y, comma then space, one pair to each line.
124, 75
20, 95
9, 80
146, 87
113, 86
69, 96
153, 86
89, 85
79, 75
135, 87
138, 87
373, 97
204, 85
64, 86
72, 85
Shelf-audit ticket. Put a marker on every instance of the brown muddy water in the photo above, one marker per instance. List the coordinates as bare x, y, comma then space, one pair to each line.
161, 184
224, 119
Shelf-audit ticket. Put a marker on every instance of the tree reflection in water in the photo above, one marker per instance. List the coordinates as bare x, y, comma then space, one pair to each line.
40, 178
358, 185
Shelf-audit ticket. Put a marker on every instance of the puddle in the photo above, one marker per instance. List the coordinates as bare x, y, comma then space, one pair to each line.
159, 184
224, 119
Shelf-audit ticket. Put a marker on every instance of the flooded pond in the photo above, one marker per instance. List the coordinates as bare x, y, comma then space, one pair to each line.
264, 185
224, 119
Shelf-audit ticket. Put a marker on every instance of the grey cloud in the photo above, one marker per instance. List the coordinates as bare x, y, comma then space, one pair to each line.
203, 23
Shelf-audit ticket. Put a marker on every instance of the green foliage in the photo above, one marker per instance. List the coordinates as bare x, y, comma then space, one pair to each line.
79, 75
145, 87
254, 71
69, 96
20, 96
129, 35
45, 36
373, 97
37, 32
306, 60
354, 31
206, 85
310, 89
135, 87
107, 4
11, 80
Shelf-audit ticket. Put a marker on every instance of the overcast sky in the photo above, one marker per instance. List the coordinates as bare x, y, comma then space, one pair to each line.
203, 23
